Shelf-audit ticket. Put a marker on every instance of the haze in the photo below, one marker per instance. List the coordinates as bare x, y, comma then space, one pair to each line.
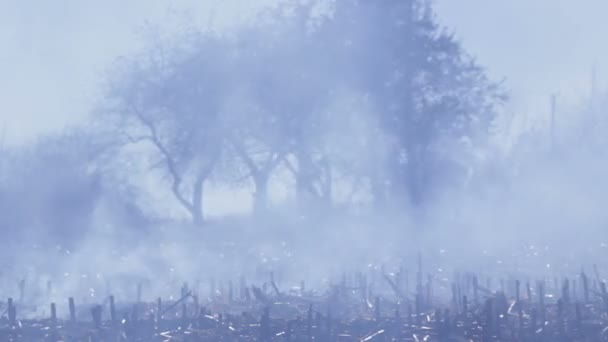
53, 53
224, 138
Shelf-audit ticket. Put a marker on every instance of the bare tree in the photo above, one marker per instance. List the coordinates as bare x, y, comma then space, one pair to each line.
172, 103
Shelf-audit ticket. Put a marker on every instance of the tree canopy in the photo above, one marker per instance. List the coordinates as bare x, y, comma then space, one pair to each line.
373, 95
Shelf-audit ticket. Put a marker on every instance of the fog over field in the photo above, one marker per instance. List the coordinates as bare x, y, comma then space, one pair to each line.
178, 141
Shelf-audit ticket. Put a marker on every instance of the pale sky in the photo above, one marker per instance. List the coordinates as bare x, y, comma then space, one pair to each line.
53, 53
539, 46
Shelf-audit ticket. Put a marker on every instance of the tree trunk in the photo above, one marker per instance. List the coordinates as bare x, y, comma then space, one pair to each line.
260, 198
197, 200
304, 177
327, 184
415, 179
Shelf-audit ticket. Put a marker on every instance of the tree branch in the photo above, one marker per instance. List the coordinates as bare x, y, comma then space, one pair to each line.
171, 164
240, 150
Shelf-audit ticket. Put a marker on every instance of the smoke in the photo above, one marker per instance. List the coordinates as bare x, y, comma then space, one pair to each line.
534, 208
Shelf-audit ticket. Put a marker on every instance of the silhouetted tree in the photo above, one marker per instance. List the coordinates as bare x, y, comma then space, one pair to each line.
428, 93
273, 94
52, 188
172, 99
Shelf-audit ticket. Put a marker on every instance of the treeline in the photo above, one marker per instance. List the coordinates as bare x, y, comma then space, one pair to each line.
372, 96
340, 101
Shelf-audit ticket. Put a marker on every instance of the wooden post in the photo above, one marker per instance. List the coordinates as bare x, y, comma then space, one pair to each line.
184, 312
343, 285
560, 317
459, 292
438, 326
328, 323
555, 285
309, 323
541, 298
135, 313
604, 296
566, 291
520, 319
12, 313
196, 304
197, 287
377, 309
201, 320
159, 309
242, 287
230, 292
419, 295
112, 310
579, 319
53, 315
475, 290
409, 316
184, 290
585, 287
489, 311
446, 321
265, 326
418, 308
407, 282
533, 319
72, 308
399, 280
419, 273
363, 287
96, 313
222, 291
429, 292
454, 294
288, 330
247, 294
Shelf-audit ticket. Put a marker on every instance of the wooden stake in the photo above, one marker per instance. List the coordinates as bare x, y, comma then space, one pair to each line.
112, 310
72, 308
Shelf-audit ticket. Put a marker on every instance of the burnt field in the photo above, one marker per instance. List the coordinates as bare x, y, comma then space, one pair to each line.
303, 170
376, 305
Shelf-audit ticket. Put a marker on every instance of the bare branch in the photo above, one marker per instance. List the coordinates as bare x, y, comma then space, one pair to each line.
169, 160
240, 150
137, 139
290, 166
